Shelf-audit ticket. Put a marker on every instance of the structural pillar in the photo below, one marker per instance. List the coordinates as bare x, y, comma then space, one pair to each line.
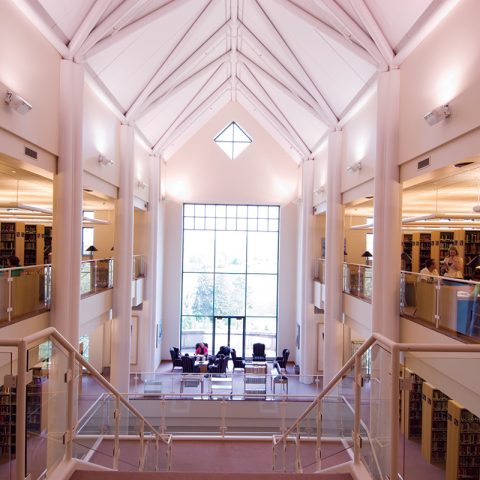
305, 309
154, 271
67, 211
334, 248
387, 210
123, 272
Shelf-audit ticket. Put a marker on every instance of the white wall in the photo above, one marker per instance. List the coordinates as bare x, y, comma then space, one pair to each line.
201, 172
445, 68
31, 67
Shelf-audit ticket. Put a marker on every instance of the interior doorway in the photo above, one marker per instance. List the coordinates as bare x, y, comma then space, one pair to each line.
229, 331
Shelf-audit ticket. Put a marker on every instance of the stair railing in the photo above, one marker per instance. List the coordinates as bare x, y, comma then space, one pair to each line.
24, 376
293, 433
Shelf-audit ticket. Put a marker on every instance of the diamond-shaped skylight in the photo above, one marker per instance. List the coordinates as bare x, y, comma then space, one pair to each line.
233, 140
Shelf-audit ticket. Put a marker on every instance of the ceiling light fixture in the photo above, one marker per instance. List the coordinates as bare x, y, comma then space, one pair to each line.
437, 114
18, 103
356, 167
103, 160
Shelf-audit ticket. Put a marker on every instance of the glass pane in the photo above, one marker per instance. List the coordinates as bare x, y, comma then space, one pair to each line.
199, 210
198, 251
4, 295
239, 135
273, 225
221, 332
221, 224
238, 148
227, 148
231, 211
242, 211
273, 212
196, 329
226, 135
199, 223
209, 223
221, 210
236, 335
189, 210
262, 295
252, 224
189, 223
261, 330
262, 225
197, 294
262, 212
229, 294
252, 211
231, 248
210, 210
231, 224
242, 224
262, 252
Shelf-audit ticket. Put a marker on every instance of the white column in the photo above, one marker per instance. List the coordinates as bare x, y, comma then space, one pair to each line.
154, 272
122, 291
68, 196
387, 211
305, 317
334, 245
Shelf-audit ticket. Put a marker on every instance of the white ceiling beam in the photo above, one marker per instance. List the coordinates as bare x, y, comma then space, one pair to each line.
292, 94
33, 16
293, 58
153, 82
373, 29
284, 120
355, 30
299, 86
329, 31
89, 22
233, 47
272, 118
183, 124
108, 25
168, 88
133, 27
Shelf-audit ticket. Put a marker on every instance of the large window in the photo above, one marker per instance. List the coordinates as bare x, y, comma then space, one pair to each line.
230, 267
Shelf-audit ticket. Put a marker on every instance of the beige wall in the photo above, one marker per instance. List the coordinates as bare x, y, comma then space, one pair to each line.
30, 66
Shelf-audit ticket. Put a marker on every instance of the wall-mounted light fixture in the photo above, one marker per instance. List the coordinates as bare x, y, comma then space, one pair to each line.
18, 103
437, 114
103, 160
141, 184
355, 167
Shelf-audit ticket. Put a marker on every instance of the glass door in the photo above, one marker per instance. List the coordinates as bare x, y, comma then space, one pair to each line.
229, 331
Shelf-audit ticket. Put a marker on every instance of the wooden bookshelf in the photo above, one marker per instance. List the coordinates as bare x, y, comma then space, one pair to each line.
47, 244
30, 246
407, 248
471, 253
463, 440
7, 241
412, 406
434, 424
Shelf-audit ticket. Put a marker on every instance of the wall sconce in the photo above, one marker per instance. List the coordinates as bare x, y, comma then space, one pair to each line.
437, 115
103, 160
18, 103
141, 184
356, 167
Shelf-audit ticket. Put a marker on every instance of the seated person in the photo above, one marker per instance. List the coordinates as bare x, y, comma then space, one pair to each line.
427, 271
202, 349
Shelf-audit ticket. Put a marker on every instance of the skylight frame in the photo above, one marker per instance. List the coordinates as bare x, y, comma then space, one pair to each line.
229, 145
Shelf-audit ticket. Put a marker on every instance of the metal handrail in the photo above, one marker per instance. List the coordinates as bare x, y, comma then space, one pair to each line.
51, 333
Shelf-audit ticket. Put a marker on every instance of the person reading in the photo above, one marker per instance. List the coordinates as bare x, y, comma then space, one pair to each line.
201, 349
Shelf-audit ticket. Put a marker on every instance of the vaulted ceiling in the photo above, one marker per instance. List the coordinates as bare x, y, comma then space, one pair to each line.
298, 66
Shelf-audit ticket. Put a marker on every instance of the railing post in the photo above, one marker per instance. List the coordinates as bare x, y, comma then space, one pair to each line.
116, 448
142, 447
318, 449
21, 400
10, 296
95, 265
394, 420
70, 406
437, 302
356, 420
298, 458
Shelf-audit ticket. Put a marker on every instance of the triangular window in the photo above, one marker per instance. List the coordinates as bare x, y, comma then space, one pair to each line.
233, 140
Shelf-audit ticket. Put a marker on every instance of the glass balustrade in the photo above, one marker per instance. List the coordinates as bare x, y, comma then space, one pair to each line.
96, 276
357, 280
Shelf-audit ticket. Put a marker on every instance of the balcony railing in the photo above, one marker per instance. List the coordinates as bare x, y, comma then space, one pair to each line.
138, 266
24, 291
357, 280
96, 276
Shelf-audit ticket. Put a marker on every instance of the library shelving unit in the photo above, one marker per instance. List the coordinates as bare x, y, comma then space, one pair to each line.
446, 241
463, 455
255, 378
7, 241
425, 251
412, 406
471, 252
407, 247
30, 248
47, 244
434, 424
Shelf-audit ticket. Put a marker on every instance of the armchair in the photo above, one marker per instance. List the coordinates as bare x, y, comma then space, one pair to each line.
224, 350
282, 361
188, 364
176, 358
219, 366
238, 362
258, 354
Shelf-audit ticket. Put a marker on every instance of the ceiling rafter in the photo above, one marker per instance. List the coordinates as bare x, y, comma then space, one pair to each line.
291, 129
355, 30
186, 107
291, 54
192, 116
181, 69
233, 46
265, 111
153, 82
84, 29
329, 31
273, 59
170, 88
108, 25
132, 28
292, 94
374, 30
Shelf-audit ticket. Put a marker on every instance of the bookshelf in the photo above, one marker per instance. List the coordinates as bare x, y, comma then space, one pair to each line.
463, 455
47, 244
412, 406
446, 241
7, 241
434, 424
255, 378
30, 247
425, 250
407, 247
472, 250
